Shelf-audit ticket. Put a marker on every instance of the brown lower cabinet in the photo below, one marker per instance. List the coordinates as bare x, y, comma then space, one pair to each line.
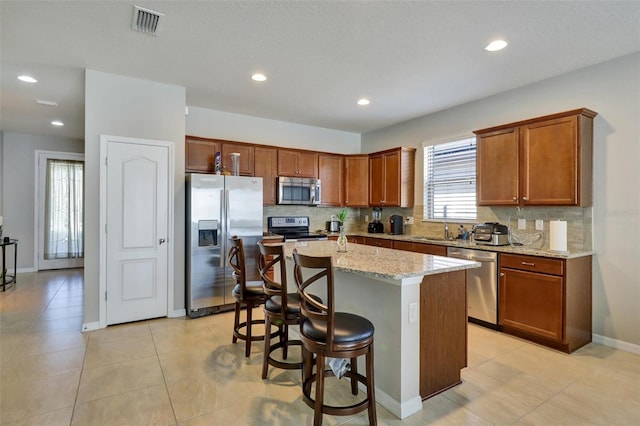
356, 239
378, 242
546, 300
423, 248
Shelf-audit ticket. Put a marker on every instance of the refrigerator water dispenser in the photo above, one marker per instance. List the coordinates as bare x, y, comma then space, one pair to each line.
207, 233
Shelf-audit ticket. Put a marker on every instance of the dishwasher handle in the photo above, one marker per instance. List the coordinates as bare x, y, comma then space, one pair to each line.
470, 254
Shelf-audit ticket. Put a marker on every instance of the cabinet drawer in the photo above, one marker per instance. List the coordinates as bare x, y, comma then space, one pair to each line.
378, 242
421, 248
542, 265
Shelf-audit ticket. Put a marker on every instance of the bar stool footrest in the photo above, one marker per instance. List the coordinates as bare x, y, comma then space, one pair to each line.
331, 409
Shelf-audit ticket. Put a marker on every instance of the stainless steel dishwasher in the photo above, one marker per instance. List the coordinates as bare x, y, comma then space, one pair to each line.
482, 285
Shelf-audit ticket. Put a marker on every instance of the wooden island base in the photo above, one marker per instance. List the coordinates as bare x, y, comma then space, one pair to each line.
443, 331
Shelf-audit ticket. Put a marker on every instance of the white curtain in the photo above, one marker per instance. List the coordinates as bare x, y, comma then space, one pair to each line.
63, 236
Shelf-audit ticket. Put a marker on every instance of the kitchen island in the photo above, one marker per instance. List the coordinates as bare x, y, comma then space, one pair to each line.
417, 304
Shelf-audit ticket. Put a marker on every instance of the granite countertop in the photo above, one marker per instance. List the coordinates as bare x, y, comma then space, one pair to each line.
378, 262
529, 251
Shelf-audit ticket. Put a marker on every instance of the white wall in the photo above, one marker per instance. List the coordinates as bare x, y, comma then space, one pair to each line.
244, 128
124, 106
613, 90
19, 186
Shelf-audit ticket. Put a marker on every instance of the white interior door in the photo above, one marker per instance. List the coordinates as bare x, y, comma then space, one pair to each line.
137, 230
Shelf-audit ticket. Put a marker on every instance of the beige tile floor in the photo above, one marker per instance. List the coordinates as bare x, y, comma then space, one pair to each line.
186, 372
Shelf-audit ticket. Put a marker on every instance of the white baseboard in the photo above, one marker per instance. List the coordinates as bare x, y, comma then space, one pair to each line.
177, 313
616, 344
90, 326
25, 270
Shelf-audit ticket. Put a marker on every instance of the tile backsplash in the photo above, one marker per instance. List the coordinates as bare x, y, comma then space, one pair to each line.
579, 220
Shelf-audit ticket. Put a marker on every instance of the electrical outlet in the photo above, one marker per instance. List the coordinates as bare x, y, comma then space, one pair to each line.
539, 225
413, 312
409, 220
366, 218
522, 223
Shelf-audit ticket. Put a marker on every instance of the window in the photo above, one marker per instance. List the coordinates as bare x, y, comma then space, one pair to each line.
450, 180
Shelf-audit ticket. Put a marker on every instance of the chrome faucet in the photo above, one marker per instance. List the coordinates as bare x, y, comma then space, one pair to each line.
446, 230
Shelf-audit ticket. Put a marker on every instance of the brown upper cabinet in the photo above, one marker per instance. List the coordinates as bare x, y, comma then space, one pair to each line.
266, 167
356, 183
200, 154
544, 161
246, 157
331, 173
297, 163
391, 177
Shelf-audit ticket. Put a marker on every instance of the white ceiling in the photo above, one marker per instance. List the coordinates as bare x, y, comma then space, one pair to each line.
410, 58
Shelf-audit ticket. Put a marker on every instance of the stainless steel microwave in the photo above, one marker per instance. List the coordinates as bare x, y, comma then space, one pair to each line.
299, 191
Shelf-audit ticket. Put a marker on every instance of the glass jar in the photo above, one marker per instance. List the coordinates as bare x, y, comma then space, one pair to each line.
235, 163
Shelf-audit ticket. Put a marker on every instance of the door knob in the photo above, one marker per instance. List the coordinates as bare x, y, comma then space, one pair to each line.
162, 240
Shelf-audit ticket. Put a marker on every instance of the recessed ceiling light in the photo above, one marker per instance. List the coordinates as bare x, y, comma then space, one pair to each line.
46, 103
57, 123
363, 102
27, 79
496, 45
258, 77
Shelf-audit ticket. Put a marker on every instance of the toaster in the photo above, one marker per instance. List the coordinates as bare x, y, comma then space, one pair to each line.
491, 234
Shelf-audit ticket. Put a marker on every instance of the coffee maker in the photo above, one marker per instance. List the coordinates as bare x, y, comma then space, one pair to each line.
376, 227
396, 225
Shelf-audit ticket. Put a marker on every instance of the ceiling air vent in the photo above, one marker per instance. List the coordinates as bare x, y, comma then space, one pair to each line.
145, 20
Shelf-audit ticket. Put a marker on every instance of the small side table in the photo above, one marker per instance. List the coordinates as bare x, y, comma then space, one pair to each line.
6, 278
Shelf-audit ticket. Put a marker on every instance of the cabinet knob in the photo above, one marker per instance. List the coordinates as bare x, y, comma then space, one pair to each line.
502, 274
515, 198
525, 199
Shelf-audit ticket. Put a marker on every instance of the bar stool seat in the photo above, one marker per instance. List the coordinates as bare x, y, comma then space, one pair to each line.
326, 333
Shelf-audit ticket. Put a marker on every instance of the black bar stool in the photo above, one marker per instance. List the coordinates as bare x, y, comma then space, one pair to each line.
329, 334
281, 308
248, 294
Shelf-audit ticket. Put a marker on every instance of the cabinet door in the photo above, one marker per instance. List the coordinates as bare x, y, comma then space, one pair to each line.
376, 180
497, 168
200, 155
356, 181
392, 179
331, 173
532, 303
433, 249
287, 163
266, 166
550, 162
308, 164
246, 157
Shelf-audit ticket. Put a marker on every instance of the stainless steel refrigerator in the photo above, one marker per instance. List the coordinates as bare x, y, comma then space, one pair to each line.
219, 207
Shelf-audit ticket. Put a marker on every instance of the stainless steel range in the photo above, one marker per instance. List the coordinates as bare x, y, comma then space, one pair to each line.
293, 228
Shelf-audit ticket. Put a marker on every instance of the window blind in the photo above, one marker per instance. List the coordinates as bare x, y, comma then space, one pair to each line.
450, 180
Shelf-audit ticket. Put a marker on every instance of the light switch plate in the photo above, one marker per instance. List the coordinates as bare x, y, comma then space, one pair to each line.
539, 225
366, 218
409, 220
413, 312
522, 223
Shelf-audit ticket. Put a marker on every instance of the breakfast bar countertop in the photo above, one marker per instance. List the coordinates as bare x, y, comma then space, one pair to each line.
378, 262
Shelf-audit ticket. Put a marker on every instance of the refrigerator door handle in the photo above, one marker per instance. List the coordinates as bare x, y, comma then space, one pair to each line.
223, 228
